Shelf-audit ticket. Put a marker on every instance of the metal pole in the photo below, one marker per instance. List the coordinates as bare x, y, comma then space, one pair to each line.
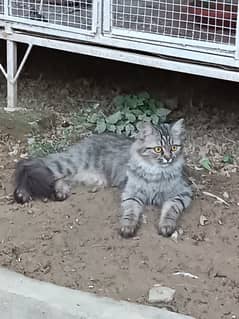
11, 71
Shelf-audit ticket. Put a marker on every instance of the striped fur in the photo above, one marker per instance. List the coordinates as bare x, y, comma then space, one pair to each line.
149, 169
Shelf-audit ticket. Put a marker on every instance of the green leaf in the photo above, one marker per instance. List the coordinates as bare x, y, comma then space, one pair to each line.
111, 127
155, 119
148, 112
163, 113
228, 159
131, 101
159, 104
93, 118
142, 117
140, 101
139, 125
114, 118
130, 117
206, 163
144, 95
129, 129
120, 128
152, 105
118, 101
101, 126
137, 112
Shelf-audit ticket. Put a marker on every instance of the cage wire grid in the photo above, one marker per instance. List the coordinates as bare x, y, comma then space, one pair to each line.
202, 20
68, 13
1, 7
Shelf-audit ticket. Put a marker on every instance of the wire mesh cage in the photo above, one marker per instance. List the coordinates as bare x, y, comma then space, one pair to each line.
70, 13
202, 20
1, 7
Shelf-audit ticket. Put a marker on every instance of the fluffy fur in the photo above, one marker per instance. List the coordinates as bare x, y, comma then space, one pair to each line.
149, 169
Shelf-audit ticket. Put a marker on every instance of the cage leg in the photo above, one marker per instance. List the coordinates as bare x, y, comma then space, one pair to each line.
13, 73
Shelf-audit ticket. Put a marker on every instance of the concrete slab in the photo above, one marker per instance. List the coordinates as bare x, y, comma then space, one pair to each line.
25, 298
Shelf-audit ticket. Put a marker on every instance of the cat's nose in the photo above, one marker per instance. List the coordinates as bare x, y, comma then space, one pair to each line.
167, 157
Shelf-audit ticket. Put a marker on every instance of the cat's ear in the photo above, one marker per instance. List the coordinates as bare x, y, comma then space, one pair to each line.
145, 130
178, 129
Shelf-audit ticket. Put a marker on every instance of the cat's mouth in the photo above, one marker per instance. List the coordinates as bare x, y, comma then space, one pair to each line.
166, 162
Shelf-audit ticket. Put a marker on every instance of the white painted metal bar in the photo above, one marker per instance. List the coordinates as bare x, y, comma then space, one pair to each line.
5, 10
22, 62
3, 71
95, 16
164, 38
107, 16
40, 6
191, 53
137, 58
11, 72
106, 39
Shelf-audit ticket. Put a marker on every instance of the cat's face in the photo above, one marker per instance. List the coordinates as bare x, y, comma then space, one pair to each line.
161, 145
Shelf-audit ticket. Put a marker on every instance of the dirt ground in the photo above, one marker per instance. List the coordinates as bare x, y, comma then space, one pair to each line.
76, 243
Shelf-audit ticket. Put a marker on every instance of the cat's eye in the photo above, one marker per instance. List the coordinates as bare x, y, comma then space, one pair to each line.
174, 148
158, 149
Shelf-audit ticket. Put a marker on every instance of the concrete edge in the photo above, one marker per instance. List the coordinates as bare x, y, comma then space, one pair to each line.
58, 302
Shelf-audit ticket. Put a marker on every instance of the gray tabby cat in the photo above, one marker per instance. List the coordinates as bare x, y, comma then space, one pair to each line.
149, 169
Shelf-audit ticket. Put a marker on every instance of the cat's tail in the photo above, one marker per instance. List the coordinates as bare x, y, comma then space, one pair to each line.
33, 179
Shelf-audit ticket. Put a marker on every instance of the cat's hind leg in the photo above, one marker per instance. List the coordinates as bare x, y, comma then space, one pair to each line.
32, 179
89, 178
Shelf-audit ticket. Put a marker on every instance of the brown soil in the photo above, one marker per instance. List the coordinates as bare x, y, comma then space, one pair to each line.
76, 243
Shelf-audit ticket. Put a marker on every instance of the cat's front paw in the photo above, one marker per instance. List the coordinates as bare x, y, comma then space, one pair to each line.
166, 228
128, 231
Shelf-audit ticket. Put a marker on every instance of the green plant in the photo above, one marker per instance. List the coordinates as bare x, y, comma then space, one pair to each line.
206, 163
227, 159
130, 110
41, 146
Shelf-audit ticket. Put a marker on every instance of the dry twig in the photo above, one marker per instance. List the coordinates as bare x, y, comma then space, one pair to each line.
216, 197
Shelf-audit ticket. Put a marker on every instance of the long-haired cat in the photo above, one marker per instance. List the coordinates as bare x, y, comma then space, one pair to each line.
149, 169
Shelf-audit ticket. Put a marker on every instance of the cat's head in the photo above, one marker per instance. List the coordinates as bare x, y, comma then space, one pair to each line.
162, 145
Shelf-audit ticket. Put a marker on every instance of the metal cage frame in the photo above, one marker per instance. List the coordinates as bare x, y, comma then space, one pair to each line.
109, 29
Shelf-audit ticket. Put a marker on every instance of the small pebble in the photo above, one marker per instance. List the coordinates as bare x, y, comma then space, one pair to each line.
161, 294
77, 220
46, 236
226, 195
93, 190
203, 220
180, 231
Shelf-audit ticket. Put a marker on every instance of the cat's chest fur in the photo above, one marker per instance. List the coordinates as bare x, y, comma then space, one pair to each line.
154, 184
